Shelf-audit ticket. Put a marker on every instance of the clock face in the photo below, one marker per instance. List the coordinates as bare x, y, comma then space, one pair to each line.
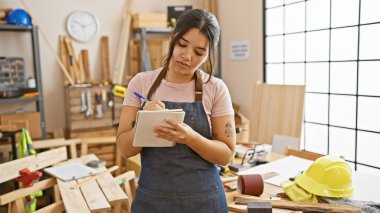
82, 26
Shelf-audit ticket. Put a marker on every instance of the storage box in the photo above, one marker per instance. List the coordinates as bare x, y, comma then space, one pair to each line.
30, 121
149, 20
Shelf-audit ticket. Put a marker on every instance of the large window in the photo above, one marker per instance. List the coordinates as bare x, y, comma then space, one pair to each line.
332, 47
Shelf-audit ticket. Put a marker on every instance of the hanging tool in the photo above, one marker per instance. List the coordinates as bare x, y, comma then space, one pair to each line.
89, 111
104, 100
83, 107
27, 178
110, 99
119, 91
99, 111
16, 63
11, 82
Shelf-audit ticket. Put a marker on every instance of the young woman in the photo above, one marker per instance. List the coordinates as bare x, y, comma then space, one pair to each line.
183, 178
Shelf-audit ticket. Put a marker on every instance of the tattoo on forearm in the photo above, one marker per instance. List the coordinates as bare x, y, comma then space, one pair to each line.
229, 131
133, 124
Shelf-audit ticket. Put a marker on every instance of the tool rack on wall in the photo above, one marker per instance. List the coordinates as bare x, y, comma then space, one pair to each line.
33, 30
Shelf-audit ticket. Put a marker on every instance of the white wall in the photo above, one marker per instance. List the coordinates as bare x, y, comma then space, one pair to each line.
242, 20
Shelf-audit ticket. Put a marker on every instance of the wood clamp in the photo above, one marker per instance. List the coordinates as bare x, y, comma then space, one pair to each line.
27, 178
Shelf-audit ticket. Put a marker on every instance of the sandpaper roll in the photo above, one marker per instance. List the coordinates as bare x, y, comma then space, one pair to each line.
252, 184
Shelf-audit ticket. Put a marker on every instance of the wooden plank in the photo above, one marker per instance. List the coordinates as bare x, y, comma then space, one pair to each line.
119, 161
81, 65
55, 207
93, 195
302, 153
43, 144
64, 57
102, 149
50, 143
117, 77
105, 58
83, 148
299, 206
71, 58
100, 132
16, 206
57, 196
127, 179
86, 66
107, 157
58, 133
72, 198
73, 63
107, 183
20, 193
10, 170
73, 151
100, 140
95, 177
277, 109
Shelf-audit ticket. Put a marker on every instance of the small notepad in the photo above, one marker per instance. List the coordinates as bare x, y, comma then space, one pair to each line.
147, 120
70, 171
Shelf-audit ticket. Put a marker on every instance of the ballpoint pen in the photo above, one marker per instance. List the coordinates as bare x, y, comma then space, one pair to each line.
140, 96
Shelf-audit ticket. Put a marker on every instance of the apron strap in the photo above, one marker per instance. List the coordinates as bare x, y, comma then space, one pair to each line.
198, 85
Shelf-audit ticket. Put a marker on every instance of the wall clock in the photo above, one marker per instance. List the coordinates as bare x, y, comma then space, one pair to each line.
82, 26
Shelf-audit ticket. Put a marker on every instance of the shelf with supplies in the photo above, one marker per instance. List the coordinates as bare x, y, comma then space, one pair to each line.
147, 53
17, 88
18, 100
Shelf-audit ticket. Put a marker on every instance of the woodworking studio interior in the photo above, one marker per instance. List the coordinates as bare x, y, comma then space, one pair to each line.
199, 106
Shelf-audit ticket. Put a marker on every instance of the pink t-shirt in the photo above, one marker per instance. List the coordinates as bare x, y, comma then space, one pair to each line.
216, 97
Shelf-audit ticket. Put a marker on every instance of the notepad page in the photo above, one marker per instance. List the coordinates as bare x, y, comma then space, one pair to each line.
147, 120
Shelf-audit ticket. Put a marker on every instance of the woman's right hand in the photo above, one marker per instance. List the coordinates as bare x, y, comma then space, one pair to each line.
154, 105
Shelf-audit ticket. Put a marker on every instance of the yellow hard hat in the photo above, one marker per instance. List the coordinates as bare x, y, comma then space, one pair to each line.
328, 176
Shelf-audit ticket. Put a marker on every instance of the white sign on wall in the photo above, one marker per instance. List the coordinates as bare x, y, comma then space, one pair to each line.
239, 50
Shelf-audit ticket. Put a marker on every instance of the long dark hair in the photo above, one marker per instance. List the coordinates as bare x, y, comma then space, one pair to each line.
208, 25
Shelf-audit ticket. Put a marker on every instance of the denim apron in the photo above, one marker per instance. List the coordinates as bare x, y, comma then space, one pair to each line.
177, 179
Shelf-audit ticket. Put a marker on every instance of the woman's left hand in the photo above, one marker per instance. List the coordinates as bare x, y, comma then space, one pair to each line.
177, 132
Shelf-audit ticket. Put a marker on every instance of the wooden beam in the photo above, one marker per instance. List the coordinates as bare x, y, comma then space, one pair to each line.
105, 59
107, 183
72, 198
20, 193
45, 144
54, 207
86, 66
64, 57
100, 140
117, 76
10, 170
